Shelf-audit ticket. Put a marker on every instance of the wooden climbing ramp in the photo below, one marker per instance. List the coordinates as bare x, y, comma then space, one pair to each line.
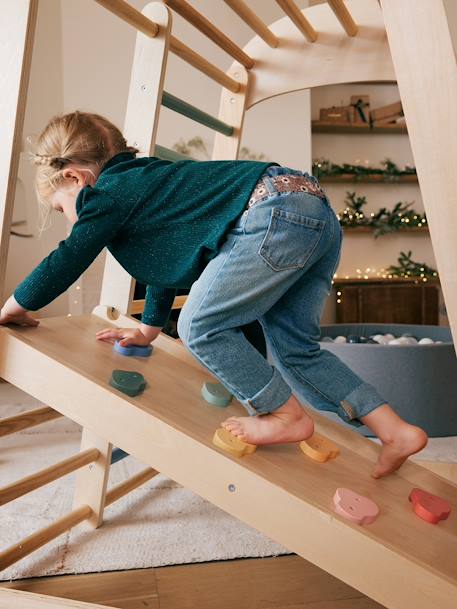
399, 559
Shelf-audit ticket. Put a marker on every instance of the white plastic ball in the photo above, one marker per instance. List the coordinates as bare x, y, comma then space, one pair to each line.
389, 336
395, 341
340, 339
379, 338
426, 341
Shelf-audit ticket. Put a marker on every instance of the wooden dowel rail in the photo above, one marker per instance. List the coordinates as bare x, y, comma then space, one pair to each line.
178, 105
344, 16
170, 155
43, 536
138, 305
251, 19
45, 476
127, 13
199, 62
297, 17
125, 487
27, 419
205, 26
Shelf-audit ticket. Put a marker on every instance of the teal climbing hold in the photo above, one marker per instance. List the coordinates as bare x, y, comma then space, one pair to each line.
130, 383
216, 394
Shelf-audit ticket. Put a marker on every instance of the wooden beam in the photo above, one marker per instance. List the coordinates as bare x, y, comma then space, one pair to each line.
231, 108
27, 419
425, 64
205, 26
17, 31
344, 16
250, 18
45, 476
297, 17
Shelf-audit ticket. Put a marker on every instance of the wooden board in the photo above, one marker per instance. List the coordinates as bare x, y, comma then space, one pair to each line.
276, 490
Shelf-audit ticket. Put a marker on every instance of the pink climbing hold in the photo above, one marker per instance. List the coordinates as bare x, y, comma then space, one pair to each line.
355, 507
430, 508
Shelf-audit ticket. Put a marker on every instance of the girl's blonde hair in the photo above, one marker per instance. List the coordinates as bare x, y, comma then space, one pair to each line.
81, 138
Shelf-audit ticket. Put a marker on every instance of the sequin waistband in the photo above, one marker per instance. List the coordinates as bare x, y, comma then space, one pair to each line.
287, 182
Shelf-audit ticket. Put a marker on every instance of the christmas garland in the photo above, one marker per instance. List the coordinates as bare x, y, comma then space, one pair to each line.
390, 171
384, 221
409, 268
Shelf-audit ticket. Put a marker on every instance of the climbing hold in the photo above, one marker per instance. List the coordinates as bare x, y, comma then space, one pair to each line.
430, 508
133, 350
216, 394
319, 448
355, 507
225, 440
130, 383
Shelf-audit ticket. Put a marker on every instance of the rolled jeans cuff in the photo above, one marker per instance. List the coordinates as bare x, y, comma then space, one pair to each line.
360, 402
271, 397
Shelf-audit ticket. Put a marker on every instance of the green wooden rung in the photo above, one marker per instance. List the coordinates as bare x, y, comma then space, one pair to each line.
171, 155
182, 107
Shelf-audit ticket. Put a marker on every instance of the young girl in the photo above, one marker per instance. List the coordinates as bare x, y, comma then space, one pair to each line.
256, 241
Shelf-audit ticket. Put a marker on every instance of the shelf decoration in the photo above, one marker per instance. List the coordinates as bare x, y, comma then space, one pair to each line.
387, 115
408, 268
383, 221
323, 168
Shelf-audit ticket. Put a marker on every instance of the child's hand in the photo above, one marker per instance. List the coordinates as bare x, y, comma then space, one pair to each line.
128, 336
13, 313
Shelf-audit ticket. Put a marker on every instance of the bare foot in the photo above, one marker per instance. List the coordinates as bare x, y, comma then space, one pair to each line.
289, 423
407, 441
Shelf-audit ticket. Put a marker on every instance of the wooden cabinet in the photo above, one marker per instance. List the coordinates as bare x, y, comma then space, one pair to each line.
386, 302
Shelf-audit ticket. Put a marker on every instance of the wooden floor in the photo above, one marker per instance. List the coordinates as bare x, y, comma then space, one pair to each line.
283, 582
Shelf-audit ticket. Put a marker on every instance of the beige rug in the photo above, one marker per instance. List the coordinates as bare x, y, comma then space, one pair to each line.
160, 523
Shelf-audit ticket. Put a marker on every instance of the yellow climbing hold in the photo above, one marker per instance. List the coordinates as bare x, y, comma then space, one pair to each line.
319, 448
225, 440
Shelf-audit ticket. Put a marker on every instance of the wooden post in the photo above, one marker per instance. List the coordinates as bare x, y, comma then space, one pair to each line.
140, 129
92, 480
425, 65
17, 31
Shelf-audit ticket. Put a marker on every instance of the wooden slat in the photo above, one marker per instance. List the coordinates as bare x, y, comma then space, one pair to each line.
27, 419
43, 536
205, 26
125, 487
130, 15
423, 54
344, 16
297, 17
17, 30
45, 476
251, 19
17, 599
231, 109
170, 428
202, 64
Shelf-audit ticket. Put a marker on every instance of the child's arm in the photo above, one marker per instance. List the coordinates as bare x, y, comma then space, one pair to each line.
157, 309
13, 313
99, 219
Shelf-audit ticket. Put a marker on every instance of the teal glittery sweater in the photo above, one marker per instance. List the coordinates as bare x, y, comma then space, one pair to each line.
162, 221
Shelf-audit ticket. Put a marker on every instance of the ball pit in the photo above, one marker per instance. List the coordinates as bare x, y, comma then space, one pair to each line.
417, 378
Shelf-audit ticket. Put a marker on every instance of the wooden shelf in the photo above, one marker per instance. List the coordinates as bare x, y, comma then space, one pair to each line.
371, 178
369, 229
320, 127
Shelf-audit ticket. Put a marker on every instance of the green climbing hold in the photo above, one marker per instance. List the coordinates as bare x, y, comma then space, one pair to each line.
130, 383
216, 394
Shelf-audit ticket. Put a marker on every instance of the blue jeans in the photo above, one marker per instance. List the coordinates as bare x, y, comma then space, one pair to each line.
275, 266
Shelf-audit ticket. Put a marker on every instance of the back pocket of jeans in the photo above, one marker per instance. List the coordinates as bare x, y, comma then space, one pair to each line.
290, 239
